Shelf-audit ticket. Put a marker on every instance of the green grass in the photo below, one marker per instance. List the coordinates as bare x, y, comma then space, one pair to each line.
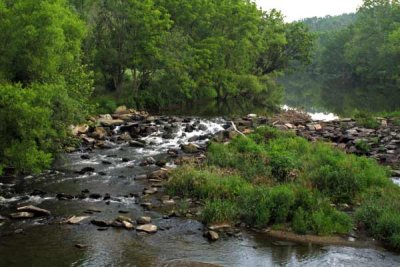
366, 119
276, 179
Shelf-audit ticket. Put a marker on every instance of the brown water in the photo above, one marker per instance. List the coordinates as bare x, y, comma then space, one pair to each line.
46, 242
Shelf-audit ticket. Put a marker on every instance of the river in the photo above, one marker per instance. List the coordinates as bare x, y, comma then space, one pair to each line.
49, 242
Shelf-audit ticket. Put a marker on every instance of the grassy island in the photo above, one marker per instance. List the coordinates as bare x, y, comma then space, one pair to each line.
275, 179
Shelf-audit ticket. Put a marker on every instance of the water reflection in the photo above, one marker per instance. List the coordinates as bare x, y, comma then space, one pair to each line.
209, 108
316, 94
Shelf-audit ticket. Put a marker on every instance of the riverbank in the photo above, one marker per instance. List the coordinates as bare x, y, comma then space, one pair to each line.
111, 175
345, 134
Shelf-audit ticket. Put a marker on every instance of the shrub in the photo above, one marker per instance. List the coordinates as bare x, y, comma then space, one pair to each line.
255, 206
366, 120
300, 222
220, 211
34, 124
282, 201
282, 164
330, 221
380, 215
363, 146
105, 105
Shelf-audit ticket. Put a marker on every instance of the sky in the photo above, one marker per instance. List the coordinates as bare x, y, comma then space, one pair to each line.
299, 9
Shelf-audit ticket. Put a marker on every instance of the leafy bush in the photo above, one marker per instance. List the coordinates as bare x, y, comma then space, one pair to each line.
330, 221
220, 211
105, 105
380, 215
366, 120
363, 146
35, 120
255, 206
282, 201
282, 164
300, 221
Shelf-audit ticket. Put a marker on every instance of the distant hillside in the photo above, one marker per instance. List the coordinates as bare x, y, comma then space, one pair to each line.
329, 23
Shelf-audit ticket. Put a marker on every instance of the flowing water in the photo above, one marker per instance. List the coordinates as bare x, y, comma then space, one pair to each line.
47, 242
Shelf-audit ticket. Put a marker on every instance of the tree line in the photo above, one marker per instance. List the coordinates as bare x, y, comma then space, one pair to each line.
356, 62
144, 53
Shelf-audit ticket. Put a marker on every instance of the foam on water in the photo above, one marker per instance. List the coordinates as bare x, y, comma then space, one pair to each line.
180, 137
316, 116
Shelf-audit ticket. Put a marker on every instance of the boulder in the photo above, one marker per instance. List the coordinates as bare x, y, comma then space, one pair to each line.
168, 202
99, 133
143, 220
128, 225
76, 219
190, 148
147, 228
160, 174
110, 122
80, 129
121, 110
85, 170
88, 140
134, 143
203, 127
150, 191
124, 219
125, 137
95, 196
62, 196
34, 210
212, 235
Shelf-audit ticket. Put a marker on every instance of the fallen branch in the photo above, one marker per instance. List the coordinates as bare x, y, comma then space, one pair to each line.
236, 130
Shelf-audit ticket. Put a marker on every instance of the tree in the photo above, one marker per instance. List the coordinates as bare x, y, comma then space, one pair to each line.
44, 88
128, 36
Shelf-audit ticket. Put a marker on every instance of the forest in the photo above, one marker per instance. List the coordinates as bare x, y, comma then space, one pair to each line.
356, 56
175, 124
62, 60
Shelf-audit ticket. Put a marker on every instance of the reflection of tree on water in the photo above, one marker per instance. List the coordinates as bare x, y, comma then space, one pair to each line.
339, 96
237, 106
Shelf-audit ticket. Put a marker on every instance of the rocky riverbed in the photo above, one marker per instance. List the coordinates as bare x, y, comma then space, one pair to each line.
103, 203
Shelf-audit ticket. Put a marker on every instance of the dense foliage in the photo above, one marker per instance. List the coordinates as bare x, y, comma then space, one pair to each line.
43, 85
356, 63
157, 53
275, 178
143, 53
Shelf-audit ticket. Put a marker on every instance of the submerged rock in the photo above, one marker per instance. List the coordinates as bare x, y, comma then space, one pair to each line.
85, 170
95, 196
22, 215
62, 196
100, 223
134, 143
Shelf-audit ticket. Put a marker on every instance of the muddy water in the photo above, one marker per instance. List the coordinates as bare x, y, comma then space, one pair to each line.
47, 242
